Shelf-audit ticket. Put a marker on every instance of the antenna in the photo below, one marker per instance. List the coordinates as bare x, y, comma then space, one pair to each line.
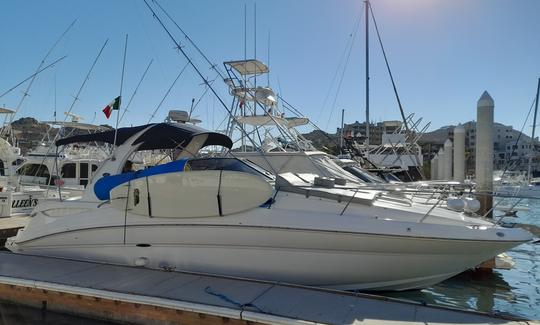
242, 107
367, 76
268, 61
120, 96
341, 133
245, 33
255, 31
255, 50
55, 96
191, 108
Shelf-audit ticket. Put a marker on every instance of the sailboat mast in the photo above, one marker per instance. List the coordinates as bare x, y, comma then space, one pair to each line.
367, 73
533, 129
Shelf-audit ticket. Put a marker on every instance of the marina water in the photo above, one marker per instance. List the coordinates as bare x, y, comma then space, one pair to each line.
515, 292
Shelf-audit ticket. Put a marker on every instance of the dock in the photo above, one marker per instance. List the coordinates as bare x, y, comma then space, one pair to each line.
145, 296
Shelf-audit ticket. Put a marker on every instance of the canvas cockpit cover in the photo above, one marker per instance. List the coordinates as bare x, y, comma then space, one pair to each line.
248, 67
156, 136
78, 125
4, 110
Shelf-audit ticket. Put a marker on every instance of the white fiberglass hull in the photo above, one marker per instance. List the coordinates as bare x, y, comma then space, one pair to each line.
342, 260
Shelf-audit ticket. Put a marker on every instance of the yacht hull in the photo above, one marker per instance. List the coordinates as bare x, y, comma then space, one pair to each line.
331, 259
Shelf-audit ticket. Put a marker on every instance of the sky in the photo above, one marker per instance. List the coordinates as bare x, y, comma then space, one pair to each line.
443, 55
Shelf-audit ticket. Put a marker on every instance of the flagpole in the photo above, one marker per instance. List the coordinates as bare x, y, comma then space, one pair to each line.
120, 97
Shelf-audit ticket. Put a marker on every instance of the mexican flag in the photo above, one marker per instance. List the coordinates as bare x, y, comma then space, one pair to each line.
115, 104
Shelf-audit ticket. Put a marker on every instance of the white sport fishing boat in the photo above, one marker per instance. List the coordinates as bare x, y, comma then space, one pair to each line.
224, 216
69, 169
15, 200
281, 148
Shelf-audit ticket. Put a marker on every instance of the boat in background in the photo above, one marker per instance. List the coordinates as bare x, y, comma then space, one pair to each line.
15, 200
519, 184
68, 170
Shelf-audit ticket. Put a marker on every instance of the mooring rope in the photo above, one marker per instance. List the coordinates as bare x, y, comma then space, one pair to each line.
223, 297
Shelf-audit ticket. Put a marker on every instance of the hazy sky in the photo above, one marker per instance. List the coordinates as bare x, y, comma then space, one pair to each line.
443, 53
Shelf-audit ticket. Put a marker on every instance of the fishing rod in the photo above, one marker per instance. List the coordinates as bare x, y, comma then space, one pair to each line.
213, 66
25, 93
76, 98
167, 93
136, 89
31, 76
190, 62
205, 81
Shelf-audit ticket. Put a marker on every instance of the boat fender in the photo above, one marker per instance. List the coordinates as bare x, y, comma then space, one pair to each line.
455, 204
471, 205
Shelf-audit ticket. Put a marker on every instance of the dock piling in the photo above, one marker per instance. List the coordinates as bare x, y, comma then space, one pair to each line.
459, 153
448, 159
484, 153
440, 167
434, 167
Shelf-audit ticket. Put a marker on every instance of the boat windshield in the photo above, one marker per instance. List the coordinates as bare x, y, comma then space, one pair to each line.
226, 164
363, 175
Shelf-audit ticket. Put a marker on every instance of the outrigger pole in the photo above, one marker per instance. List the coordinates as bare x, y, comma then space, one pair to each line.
32, 76
533, 131
205, 80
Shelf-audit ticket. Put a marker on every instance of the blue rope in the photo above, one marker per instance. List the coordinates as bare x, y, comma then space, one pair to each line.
223, 297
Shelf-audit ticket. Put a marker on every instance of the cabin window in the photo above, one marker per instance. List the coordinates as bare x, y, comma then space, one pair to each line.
94, 168
17, 162
83, 170
2, 171
36, 170
224, 164
69, 170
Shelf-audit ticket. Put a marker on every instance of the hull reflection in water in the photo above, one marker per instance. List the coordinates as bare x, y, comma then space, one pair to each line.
515, 291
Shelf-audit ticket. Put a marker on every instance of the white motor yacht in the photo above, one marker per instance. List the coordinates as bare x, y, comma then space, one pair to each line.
15, 200
224, 216
69, 169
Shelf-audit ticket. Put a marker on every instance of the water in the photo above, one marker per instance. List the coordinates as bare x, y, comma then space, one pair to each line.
515, 292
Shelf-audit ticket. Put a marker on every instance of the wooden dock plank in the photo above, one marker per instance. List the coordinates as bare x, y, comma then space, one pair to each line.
145, 296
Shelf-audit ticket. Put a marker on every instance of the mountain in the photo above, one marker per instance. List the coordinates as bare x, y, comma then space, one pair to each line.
29, 132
